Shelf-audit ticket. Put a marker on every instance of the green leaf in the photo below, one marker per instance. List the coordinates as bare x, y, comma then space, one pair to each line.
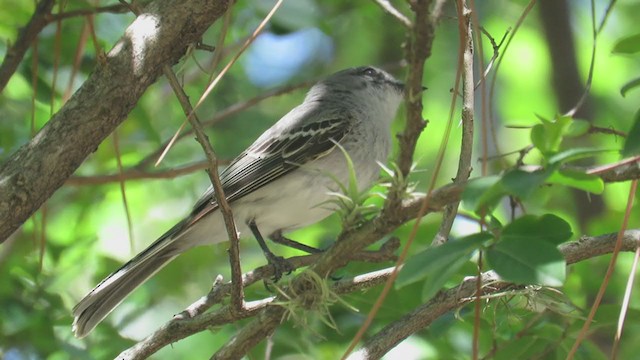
575, 154
433, 284
632, 144
522, 183
578, 180
627, 45
515, 349
547, 136
546, 228
483, 193
578, 127
538, 138
629, 86
528, 262
436, 261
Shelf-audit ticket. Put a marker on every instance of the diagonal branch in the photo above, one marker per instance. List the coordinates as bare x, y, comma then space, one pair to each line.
158, 37
28, 34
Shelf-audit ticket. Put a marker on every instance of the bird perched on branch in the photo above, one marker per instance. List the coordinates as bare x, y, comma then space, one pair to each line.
276, 184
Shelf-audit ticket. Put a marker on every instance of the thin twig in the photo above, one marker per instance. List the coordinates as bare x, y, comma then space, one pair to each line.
135, 174
77, 57
237, 298
225, 113
592, 63
625, 304
57, 48
234, 250
27, 35
217, 56
494, 79
496, 53
606, 15
114, 9
608, 130
465, 63
622, 170
235, 58
123, 190
607, 276
386, 6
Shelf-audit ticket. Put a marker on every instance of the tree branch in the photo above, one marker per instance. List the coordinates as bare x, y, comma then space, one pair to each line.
193, 319
157, 38
466, 146
136, 174
448, 300
185, 325
28, 34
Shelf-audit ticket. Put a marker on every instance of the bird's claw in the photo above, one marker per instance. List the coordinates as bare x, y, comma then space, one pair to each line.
281, 266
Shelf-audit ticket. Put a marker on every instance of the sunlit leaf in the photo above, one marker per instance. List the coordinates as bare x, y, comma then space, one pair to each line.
547, 136
575, 154
527, 262
578, 180
578, 127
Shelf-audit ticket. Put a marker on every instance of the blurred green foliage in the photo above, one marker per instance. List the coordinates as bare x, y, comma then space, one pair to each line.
86, 231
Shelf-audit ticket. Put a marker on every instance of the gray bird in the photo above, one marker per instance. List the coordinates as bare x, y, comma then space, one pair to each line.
276, 184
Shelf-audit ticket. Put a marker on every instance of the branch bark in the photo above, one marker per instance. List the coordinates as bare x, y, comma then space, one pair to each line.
380, 343
345, 249
158, 37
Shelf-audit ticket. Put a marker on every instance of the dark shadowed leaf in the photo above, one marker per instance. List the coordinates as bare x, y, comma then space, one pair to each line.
522, 183
437, 264
546, 228
627, 45
632, 144
528, 262
483, 193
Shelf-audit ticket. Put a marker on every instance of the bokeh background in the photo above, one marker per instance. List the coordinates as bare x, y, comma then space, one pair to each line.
82, 233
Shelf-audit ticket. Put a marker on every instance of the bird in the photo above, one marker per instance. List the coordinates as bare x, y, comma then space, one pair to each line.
280, 183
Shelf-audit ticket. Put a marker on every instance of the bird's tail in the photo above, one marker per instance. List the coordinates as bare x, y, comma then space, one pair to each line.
110, 292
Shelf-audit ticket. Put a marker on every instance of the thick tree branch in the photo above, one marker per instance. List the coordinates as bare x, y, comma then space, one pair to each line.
158, 37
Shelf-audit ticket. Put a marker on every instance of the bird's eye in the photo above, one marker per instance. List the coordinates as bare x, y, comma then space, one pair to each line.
369, 71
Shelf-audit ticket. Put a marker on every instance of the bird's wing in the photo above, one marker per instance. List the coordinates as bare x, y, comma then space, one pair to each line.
271, 157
